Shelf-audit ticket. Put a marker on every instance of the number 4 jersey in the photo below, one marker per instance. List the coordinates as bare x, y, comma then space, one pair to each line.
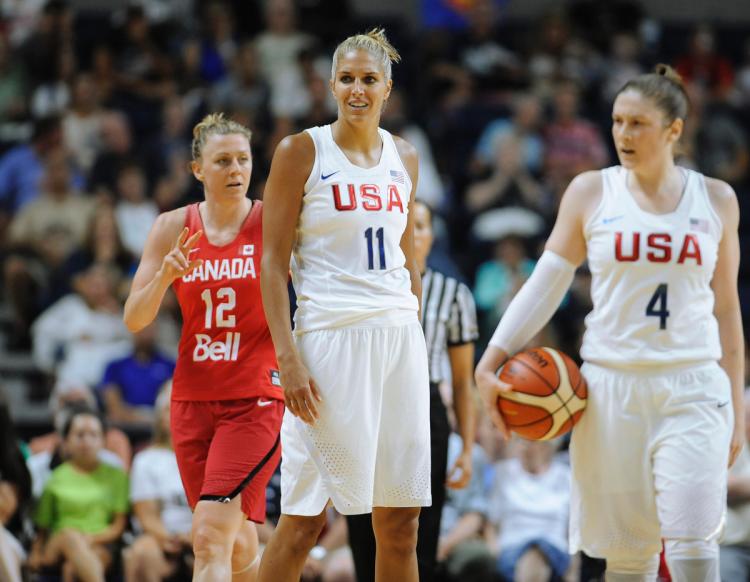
651, 278
347, 264
225, 352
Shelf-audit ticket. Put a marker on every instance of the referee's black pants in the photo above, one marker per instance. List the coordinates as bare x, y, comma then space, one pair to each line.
361, 536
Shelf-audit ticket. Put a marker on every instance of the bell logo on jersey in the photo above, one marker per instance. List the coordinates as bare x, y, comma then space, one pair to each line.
658, 248
218, 350
370, 197
218, 269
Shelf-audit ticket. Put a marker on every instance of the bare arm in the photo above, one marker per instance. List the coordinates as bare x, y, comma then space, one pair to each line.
117, 409
282, 203
467, 527
411, 161
148, 515
112, 533
727, 305
566, 240
165, 257
462, 362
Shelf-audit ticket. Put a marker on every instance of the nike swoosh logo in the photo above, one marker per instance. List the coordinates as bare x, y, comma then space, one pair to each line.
326, 176
722, 404
262, 402
612, 219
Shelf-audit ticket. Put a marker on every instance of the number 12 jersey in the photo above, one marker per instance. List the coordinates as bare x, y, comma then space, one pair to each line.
225, 351
347, 263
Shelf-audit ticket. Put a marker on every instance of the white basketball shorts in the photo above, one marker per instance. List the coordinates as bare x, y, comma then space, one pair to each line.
649, 459
371, 445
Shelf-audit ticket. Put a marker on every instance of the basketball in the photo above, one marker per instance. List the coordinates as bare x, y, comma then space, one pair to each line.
548, 394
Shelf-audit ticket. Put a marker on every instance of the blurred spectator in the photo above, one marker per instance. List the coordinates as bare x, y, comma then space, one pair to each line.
529, 505
53, 96
20, 18
703, 65
83, 508
572, 144
102, 245
279, 46
21, 168
621, 65
509, 184
13, 84
131, 384
162, 514
103, 73
48, 450
52, 34
463, 522
741, 96
219, 45
244, 89
135, 213
523, 125
117, 150
719, 142
82, 122
55, 223
76, 337
43, 235
397, 120
15, 495
734, 558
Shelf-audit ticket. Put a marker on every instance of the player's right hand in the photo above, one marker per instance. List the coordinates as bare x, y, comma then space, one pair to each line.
176, 262
301, 394
491, 387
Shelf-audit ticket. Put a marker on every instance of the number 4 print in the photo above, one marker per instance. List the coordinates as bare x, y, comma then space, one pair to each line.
370, 251
657, 305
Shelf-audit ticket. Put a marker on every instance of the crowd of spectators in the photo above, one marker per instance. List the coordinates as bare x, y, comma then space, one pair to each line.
96, 111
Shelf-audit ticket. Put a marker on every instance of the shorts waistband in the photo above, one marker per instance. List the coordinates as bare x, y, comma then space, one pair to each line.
652, 371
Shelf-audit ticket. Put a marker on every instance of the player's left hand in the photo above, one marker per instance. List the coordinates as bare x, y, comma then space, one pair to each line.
738, 440
461, 471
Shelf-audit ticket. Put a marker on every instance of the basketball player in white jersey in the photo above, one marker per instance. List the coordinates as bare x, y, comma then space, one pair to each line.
356, 431
663, 347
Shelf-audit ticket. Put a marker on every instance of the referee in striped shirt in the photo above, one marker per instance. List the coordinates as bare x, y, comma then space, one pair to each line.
449, 321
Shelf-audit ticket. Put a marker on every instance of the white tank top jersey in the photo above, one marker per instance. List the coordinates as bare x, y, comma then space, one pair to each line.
651, 278
347, 264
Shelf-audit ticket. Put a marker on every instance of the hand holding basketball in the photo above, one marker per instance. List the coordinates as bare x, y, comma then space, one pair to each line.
491, 387
176, 262
548, 394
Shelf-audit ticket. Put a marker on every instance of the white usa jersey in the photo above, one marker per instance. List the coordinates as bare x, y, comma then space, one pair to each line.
651, 278
347, 264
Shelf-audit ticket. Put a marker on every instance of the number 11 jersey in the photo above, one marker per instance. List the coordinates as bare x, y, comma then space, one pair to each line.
225, 351
651, 278
347, 263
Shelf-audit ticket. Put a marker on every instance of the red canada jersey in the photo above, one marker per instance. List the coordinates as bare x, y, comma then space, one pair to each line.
225, 352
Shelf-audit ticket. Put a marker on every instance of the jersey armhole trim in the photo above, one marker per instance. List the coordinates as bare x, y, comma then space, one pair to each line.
398, 156
589, 224
313, 178
709, 203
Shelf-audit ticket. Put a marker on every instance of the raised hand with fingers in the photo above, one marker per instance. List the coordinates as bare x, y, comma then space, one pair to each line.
176, 262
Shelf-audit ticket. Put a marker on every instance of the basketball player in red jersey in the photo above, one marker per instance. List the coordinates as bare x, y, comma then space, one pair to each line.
227, 403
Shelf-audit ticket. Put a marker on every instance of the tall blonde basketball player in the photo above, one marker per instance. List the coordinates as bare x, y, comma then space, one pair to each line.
663, 344
356, 430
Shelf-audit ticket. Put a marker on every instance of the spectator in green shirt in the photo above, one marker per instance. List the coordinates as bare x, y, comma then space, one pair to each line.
83, 508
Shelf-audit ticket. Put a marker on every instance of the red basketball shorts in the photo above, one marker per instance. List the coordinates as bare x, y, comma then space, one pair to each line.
226, 448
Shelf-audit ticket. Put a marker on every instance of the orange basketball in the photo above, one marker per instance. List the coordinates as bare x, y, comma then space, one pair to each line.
548, 396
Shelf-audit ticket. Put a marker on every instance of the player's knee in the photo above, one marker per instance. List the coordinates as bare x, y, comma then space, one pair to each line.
245, 547
210, 541
396, 529
305, 532
632, 569
692, 560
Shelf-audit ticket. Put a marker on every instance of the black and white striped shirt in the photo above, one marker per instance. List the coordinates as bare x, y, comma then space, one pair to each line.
449, 318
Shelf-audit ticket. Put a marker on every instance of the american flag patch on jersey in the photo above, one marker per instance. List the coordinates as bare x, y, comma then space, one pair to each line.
397, 176
699, 224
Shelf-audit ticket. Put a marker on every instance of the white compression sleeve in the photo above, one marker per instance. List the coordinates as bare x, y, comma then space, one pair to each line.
535, 303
